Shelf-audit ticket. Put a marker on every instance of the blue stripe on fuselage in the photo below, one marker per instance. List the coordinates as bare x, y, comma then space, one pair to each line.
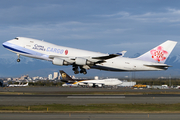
22, 50
10, 48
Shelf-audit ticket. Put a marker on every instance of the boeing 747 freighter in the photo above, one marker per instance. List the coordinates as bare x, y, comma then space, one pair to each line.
88, 82
82, 60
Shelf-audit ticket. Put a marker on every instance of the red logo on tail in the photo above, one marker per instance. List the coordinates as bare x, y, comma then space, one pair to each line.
159, 54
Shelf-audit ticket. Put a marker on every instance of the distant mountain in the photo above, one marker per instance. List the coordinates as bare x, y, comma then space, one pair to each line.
33, 67
136, 55
174, 61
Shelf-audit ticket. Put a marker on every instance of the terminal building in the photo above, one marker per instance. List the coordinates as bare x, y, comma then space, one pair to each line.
125, 83
56, 74
50, 77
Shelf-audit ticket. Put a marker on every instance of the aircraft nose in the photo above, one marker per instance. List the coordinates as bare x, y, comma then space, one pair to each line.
7, 43
4, 44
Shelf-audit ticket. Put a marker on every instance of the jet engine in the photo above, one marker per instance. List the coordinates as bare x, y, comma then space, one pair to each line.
90, 85
58, 61
82, 61
99, 85
81, 84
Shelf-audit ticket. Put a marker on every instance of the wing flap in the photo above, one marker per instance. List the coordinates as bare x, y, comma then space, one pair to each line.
109, 56
106, 57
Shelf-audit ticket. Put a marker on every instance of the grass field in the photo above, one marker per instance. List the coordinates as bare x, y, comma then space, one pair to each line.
103, 108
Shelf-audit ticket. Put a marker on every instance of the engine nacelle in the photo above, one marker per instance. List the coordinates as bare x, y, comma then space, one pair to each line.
81, 84
90, 85
58, 61
99, 85
82, 61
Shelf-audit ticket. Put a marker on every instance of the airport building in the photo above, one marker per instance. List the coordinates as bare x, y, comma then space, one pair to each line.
50, 76
125, 83
24, 77
35, 78
56, 74
9, 79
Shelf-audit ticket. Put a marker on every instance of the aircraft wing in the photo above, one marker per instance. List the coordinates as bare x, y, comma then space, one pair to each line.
85, 62
86, 83
73, 58
105, 57
92, 83
109, 56
53, 56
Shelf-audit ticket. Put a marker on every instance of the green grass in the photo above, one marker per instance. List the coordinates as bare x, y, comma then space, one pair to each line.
96, 107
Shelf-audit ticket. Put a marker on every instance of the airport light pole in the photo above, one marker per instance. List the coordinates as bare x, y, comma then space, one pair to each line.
169, 80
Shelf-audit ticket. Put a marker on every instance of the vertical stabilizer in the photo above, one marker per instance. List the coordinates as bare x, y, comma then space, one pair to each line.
64, 76
160, 53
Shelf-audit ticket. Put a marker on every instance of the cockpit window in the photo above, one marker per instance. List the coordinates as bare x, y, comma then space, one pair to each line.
16, 38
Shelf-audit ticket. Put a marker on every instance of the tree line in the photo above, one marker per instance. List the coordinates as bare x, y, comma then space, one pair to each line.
169, 82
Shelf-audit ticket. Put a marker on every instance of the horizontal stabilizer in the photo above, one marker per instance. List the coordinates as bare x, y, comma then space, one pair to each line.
160, 66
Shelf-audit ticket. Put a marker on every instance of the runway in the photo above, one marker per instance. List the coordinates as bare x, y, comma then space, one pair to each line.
86, 116
79, 89
68, 95
87, 99
59, 95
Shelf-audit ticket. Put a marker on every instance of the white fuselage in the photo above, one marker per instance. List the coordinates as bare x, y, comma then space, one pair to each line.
43, 50
18, 85
109, 82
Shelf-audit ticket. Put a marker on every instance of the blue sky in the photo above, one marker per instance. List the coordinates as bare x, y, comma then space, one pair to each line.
106, 26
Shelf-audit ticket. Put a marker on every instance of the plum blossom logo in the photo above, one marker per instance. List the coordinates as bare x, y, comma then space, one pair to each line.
66, 52
159, 54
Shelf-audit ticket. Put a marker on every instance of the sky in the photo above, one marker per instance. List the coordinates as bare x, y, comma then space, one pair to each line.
107, 26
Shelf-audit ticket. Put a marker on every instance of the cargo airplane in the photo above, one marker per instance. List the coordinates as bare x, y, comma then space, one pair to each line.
18, 85
82, 60
92, 83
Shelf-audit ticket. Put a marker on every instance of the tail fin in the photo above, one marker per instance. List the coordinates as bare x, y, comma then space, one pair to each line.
65, 77
160, 53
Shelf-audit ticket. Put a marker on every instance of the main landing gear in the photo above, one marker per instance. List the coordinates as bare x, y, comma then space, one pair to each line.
83, 70
18, 60
76, 70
